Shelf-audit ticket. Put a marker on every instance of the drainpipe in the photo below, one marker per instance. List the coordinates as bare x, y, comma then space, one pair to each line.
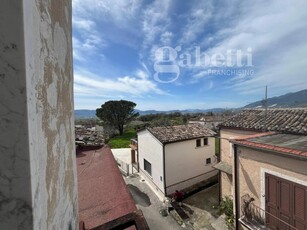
218, 160
236, 187
164, 173
137, 149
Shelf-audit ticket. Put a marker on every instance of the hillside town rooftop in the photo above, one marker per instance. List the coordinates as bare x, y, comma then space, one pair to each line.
281, 143
291, 121
169, 134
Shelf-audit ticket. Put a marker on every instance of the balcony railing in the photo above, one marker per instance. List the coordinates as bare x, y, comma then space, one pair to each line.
254, 217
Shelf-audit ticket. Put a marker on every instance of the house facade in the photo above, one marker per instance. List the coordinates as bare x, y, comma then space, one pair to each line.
272, 180
226, 159
176, 157
263, 167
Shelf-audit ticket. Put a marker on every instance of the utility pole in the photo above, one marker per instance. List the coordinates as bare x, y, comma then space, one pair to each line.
265, 104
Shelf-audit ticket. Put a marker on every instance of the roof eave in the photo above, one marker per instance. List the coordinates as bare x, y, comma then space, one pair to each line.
286, 154
187, 139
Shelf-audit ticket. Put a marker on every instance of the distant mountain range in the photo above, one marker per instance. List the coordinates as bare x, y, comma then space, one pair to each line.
289, 100
145, 112
297, 99
85, 113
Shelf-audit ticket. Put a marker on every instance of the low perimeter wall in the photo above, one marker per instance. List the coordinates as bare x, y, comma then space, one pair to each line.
186, 184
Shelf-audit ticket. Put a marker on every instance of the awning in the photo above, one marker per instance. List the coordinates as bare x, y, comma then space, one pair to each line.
224, 167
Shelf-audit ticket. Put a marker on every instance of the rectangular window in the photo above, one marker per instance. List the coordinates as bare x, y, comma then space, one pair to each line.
208, 161
205, 141
198, 143
147, 167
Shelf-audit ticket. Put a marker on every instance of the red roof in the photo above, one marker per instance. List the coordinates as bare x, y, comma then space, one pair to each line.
102, 193
251, 141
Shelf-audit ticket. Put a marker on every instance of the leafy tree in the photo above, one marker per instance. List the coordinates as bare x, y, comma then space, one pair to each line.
117, 113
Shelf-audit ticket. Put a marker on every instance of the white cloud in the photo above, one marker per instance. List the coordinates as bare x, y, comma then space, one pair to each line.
280, 54
276, 31
86, 47
155, 21
83, 24
262, 25
87, 83
197, 20
200, 74
166, 38
77, 49
92, 42
119, 12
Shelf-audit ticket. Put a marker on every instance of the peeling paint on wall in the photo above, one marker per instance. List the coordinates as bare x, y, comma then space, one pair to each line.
36, 81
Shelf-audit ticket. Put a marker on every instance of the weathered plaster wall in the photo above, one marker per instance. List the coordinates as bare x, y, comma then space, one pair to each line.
38, 186
15, 187
227, 156
254, 163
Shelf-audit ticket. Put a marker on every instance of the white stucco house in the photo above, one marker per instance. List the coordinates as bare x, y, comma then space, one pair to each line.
176, 157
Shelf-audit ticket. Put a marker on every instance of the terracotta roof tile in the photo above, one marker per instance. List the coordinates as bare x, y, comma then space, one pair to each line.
176, 133
102, 193
292, 121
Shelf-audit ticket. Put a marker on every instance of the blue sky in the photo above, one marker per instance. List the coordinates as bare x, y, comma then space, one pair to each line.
117, 44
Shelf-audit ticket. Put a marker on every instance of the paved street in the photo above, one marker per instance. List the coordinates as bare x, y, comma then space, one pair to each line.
199, 207
149, 203
204, 215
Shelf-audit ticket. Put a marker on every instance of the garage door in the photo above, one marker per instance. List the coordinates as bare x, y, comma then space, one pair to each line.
287, 201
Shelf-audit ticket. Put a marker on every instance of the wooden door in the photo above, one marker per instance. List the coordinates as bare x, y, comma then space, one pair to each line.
287, 202
300, 207
271, 200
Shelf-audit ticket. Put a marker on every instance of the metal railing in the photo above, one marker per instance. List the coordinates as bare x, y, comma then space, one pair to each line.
257, 218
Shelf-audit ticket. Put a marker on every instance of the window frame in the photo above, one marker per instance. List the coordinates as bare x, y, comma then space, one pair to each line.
210, 161
146, 164
198, 143
206, 141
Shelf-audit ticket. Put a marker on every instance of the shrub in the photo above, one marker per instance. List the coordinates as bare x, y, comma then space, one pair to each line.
122, 141
226, 207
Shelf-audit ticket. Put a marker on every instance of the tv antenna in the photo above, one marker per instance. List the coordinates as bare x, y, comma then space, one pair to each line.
265, 105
